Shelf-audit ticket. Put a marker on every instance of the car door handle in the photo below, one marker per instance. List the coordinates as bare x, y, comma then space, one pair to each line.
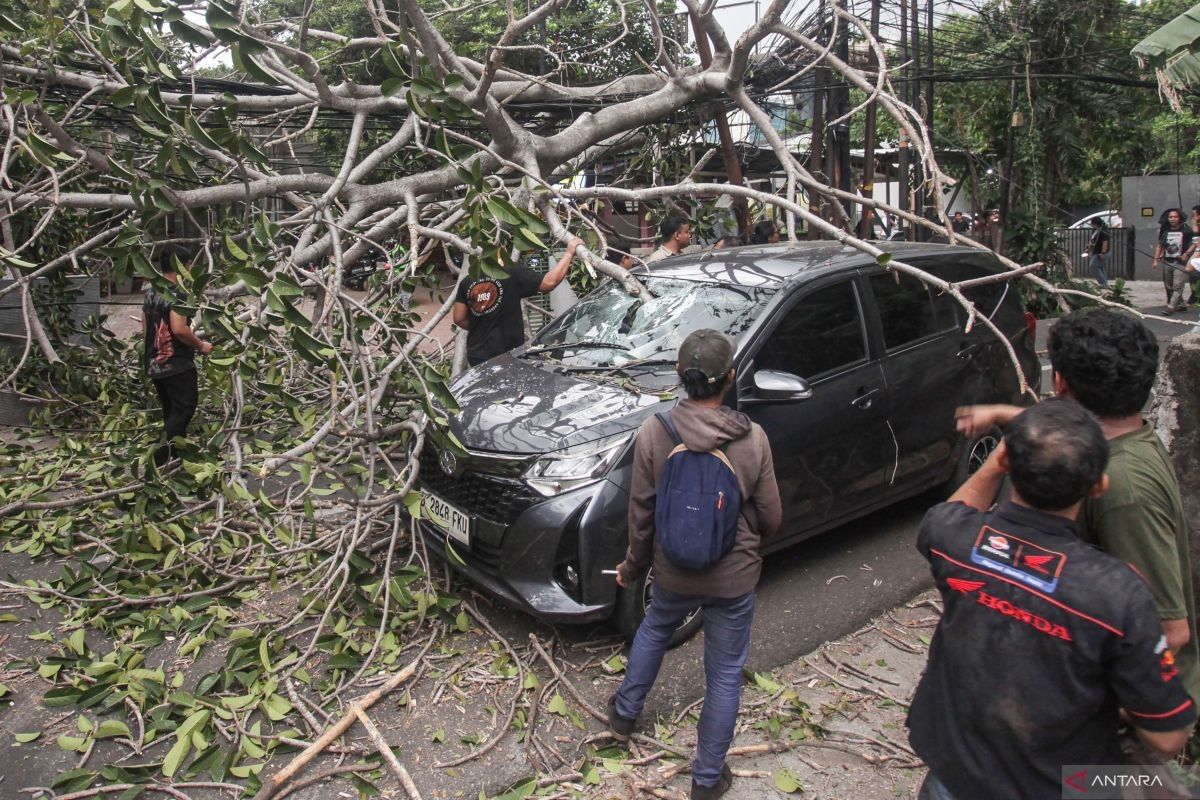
865, 399
968, 351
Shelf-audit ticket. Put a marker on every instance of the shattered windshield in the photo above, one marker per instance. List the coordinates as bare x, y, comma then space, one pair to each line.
610, 327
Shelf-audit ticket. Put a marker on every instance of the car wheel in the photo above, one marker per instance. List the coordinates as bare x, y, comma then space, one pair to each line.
973, 455
632, 603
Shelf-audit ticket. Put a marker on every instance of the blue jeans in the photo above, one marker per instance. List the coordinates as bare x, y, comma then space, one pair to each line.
726, 646
1096, 263
933, 789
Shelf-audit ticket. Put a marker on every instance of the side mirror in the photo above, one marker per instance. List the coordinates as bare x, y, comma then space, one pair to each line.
771, 384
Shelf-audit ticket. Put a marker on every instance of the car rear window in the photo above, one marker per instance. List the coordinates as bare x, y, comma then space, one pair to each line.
987, 298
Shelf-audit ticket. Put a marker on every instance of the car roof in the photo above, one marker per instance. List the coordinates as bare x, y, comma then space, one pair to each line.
773, 265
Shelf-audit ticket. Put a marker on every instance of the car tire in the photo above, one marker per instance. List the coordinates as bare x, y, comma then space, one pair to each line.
632, 603
974, 453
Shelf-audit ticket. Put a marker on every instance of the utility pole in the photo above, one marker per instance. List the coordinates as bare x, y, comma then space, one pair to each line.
1006, 178
918, 179
733, 165
902, 179
867, 186
840, 133
816, 145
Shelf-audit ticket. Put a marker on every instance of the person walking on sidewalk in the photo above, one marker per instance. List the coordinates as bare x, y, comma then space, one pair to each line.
1107, 362
1174, 249
169, 355
1044, 640
700, 427
1098, 248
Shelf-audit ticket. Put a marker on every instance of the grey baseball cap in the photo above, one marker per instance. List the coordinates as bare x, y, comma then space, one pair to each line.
709, 351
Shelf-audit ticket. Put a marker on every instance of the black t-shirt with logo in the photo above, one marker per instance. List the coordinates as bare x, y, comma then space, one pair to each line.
1096, 247
1175, 243
497, 325
1043, 639
164, 354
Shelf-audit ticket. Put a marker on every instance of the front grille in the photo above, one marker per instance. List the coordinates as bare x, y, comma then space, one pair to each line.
491, 497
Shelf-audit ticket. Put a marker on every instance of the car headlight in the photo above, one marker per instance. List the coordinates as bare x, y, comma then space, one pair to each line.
576, 466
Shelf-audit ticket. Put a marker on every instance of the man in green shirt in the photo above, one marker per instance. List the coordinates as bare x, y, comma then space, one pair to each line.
1107, 362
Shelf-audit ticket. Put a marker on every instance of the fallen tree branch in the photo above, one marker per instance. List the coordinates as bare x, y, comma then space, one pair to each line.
386, 751
272, 785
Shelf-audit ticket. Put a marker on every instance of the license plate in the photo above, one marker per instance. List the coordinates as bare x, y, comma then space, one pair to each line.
455, 523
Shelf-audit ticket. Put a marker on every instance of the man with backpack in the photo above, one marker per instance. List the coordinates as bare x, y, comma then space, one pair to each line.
702, 500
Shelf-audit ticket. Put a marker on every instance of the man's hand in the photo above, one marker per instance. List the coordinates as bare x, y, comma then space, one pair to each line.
205, 348
621, 580
573, 244
972, 421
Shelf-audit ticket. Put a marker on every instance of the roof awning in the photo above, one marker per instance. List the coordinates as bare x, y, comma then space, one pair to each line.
1171, 52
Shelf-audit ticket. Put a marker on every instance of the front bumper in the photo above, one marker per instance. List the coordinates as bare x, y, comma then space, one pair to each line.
521, 563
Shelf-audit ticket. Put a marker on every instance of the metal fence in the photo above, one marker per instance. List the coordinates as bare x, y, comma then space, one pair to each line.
1075, 241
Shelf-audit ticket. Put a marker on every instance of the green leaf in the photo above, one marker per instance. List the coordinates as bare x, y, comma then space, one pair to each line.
75, 642
393, 86
72, 744
559, 706
264, 653
786, 781
765, 683
276, 708
883, 259
391, 60
176, 755
461, 622
189, 33
195, 721
110, 728
23, 738
234, 250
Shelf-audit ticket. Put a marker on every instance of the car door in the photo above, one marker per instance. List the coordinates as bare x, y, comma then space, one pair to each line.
927, 365
832, 451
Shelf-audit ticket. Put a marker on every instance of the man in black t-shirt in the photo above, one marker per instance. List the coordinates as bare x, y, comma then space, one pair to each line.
1174, 248
170, 356
1098, 247
489, 309
1044, 640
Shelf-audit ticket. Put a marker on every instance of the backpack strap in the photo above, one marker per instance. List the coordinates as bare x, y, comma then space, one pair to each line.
665, 418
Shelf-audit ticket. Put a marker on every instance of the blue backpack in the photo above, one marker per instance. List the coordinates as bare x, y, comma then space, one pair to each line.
697, 506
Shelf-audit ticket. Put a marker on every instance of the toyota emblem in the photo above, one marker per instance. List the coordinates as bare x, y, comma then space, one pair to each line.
447, 462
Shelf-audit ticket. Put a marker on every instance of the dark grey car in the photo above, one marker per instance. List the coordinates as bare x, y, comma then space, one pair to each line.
853, 372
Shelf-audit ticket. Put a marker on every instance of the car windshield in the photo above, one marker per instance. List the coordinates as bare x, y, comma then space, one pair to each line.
610, 327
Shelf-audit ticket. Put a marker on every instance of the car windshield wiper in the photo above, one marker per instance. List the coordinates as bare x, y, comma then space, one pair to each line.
628, 365
533, 351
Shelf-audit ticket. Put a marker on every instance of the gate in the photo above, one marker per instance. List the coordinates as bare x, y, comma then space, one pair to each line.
1074, 242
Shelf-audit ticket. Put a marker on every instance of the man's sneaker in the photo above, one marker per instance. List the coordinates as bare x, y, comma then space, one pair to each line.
620, 727
713, 792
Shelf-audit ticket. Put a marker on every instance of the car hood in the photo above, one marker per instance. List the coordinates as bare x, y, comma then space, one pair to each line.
512, 405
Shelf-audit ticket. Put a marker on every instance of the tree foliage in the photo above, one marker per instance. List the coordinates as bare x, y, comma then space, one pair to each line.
282, 545
1079, 125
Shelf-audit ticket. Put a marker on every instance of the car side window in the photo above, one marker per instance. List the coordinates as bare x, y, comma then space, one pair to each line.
906, 309
821, 333
986, 297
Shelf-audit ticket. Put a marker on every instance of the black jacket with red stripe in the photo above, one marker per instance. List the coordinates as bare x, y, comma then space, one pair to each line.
1043, 639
